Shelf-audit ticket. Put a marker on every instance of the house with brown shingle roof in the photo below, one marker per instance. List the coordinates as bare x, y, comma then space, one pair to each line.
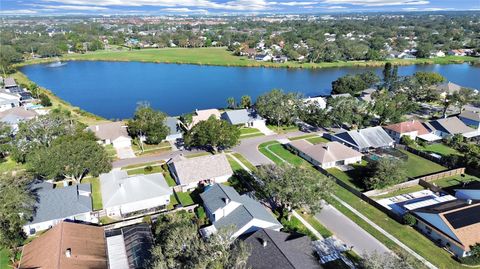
449, 127
114, 133
67, 246
325, 155
412, 128
454, 225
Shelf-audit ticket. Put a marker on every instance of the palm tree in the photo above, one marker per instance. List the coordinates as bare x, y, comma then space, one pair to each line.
231, 102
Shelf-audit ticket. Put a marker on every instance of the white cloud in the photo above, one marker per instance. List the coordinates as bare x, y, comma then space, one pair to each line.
17, 12
68, 7
426, 9
378, 2
335, 7
294, 3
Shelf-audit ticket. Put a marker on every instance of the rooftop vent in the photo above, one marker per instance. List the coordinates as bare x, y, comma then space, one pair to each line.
226, 200
469, 201
68, 252
264, 243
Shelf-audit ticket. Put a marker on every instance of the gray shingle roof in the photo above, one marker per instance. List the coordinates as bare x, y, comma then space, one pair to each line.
452, 125
240, 216
282, 250
372, 137
59, 203
240, 116
471, 115
191, 170
9, 82
110, 130
118, 188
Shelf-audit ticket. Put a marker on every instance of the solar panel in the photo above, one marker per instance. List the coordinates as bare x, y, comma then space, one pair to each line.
465, 217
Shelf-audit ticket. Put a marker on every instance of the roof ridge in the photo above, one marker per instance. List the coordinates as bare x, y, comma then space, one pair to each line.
60, 244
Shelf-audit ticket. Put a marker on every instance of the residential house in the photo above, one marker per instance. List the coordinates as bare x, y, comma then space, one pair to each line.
16, 115
67, 246
454, 224
451, 126
126, 195
263, 57
438, 53
325, 155
447, 88
366, 139
191, 172
226, 208
129, 247
457, 52
244, 117
412, 129
175, 132
203, 115
340, 95
8, 101
366, 95
53, 205
318, 101
470, 118
112, 133
283, 250
9, 83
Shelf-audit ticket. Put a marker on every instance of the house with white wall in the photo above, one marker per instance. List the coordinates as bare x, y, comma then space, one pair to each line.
189, 173
325, 155
114, 133
412, 129
53, 205
125, 195
244, 117
226, 208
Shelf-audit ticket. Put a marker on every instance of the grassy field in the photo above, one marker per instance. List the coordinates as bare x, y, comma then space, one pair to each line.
406, 234
96, 192
220, 56
417, 166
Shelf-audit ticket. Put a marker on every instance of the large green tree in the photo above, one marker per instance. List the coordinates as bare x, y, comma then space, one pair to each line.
71, 157
5, 139
8, 56
294, 187
391, 107
385, 172
148, 125
214, 134
353, 84
278, 107
16, 207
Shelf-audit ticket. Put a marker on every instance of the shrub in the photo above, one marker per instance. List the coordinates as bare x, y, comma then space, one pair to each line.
148, 168
409, 219
407, 140
45, 100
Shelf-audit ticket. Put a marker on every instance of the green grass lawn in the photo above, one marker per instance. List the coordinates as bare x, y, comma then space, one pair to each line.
8, 165
151, 149
143, 170
173, 202
245, 162
107, 220
303, 137
4, 259
198, 154
454, 181
96, 192
139, 165
317, 140
283, 128
399, 192
185, 198
234, 164
112, 152
247, 131
417, 166
263, 149
353, 177
295, 225
439, 148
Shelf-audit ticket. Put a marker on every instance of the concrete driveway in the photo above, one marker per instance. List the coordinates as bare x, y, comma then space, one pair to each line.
349, 232
125, 152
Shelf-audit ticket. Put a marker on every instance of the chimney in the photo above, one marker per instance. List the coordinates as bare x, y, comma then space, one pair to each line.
264, 243
68, 252
226, 200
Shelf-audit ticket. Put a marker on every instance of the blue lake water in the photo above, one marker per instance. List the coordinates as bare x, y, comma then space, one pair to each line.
113, 89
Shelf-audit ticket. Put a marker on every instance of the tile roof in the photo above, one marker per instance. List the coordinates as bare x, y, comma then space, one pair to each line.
325, 152
457, 219
59, 203
86, 243
407, 127
281, 250
240, 116
119, 189
191, 170
110, 130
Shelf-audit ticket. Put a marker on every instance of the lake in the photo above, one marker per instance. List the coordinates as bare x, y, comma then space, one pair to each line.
113, 89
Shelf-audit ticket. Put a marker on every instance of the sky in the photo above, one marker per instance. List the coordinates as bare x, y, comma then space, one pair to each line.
216, 7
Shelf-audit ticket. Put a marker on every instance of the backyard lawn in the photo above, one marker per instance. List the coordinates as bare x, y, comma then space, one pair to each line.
96, 192
439, 148
173, 202
417, 166
188, 198
455, 181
